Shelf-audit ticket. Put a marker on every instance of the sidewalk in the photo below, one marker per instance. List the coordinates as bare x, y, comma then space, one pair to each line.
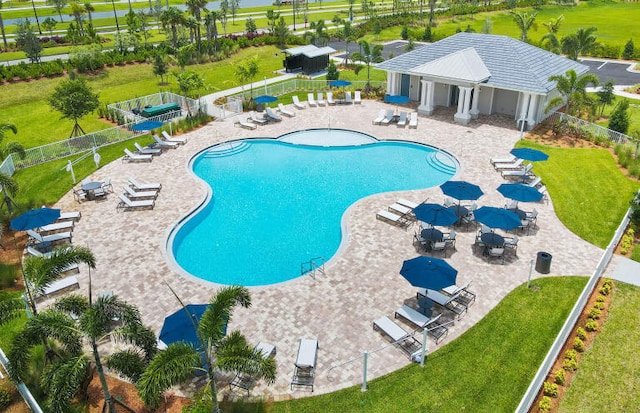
623, 269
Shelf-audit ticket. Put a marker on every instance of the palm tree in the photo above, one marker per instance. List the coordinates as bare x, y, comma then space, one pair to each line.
89, 8
229, 353
113, 4
171, 18
582, 42
77, 10
11, 147
247, 71
210, 22
9, 189
524, 21
550, 40
571, 87
317, 34
368, 55
196, 7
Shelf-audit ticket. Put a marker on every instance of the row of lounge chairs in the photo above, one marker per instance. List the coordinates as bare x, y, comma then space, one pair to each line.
138, 196
320, 101
146, 154
386, 117
400, 213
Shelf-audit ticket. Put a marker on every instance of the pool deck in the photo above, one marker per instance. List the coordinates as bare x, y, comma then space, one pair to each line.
359, 286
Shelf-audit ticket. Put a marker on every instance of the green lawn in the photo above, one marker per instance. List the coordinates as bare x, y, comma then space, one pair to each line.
487, 369
633, 111
608, 378
590, 195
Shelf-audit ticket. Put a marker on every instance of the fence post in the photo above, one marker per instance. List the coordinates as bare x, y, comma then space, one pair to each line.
365, 357
423, 351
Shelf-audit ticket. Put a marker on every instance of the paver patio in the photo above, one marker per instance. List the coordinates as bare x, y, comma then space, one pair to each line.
361, 283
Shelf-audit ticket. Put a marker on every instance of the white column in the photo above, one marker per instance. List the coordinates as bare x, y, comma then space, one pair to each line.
390, 79
426, 98
460, 101
474, 105
464, 101
531, 112
524, 106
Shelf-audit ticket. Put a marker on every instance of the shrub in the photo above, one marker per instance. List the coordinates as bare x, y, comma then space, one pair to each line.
598, 305
570, 364
605, 290
578, 344
404, 34
559, 377
581, 333
545, 404
595, 313
600, 299
591, 325
5, 398
608, 281
571, 354
627, 53
550, 389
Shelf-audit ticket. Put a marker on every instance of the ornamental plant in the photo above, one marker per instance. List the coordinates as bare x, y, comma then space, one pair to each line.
578, 344
550, 389
591, 325
559, 377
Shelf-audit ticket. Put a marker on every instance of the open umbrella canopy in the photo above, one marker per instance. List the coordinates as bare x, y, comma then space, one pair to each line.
339, 83
519, 192
396, 99
429, 272
435, 214
34, 218
146, 125
497, 218
528, 154
265, 99
461, 190
179, 327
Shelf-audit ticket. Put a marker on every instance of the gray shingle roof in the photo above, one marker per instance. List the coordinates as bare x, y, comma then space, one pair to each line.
310, 50
513, 64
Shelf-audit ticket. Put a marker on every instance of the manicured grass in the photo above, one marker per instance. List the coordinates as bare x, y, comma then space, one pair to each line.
608, 378
487, 369
633, 111
590, 195
635, 255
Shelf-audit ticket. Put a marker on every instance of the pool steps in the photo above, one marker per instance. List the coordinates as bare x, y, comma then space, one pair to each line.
442, 162
227, 149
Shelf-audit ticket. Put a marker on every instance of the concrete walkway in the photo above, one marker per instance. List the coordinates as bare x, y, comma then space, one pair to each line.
624, 269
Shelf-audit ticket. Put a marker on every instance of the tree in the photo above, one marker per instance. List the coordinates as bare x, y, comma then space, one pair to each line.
553, 25
35, 13
627, 53
525, 22
73, 98
189, 81
317, 33
77, 11
11, 147
171, 18
160, 67
195, 8
550, 40
235, 5
246, 71
619, 119
332, 71
345, 33
582, 42
370, 54
250, 26
606, 95
49, 24
281, 32
9, 189
210, 20
4, 35
571, 88
113, 4
634, 137
224, 14
272, 20
487, 26
216, 351
58, 5
28, 42
88, 7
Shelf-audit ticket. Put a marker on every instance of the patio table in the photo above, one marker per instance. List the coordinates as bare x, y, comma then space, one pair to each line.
90, 188
432, 234
491, 239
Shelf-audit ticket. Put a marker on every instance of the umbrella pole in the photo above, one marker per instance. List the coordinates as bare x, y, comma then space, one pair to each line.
424, 347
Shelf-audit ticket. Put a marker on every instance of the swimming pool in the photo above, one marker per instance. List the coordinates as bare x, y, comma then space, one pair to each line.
275, 204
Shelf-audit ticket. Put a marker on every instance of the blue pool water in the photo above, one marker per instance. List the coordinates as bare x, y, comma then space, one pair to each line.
275, 205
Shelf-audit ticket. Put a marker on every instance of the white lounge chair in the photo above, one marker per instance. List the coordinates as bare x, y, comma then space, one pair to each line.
70, 216
402, 121
347, 98
407, 203
147, 151
271, 115
545, 194
388, 117
400, 337
58, 286
56, 227
509, 160
164, 144
284, 111
133, 195
392, 218
535, 182
330, 100
69, 268
297, 104
176, 139
253, 117
46, 239
321, 101
304, 370
311, 100
134, 157
126, 204
244, 124
144, 187
422, 321
449, 302
380, 117
413, 120
518, 173
357, 99
465, 296
508, 165
400, 209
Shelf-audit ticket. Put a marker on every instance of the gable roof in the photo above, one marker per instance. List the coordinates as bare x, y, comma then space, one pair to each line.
511, 64
464, 65
310, 50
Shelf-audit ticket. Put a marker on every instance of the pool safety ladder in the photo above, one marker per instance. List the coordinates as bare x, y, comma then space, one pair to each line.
312, 266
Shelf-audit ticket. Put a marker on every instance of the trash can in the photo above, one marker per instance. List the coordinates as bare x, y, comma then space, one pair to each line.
543, 263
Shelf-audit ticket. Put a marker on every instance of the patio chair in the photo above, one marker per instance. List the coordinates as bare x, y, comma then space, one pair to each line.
464, 296
311, 100
176, 139
387, 118
420, 320
49, 239
164, 144
56, 227
146, 151
402, 121
347, 98
511, 243
73, 267
380, 117
133, 195
508, 165
321, 101
144, 187
85, 181
448, 202
510, 159
134, 157
413, 120
330, 100
420, 240
107, 186
271, 115
392, 218
297, 104
450, 239
400, 337
439, 246
357, 99
444, 301
79, 195
285, 111
244, 124
511, 204
70, 216
304, 368
126, 204
496, 252
245, 381
532, 217
253, 117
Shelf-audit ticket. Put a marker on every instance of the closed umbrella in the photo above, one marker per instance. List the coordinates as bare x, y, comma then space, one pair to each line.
528, 154
428, 272
34, 218
497, 218
435, 214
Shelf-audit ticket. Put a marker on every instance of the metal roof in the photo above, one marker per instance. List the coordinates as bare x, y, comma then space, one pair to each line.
310, 51
464, 65
511, 64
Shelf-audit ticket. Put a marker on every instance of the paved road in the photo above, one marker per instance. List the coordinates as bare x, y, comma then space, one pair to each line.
391, 49
617, 71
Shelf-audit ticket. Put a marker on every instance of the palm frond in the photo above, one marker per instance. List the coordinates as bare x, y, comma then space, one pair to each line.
218, 314
234, 354
11, 307
128, 363
140, 336
42, 271
62, 380
60, 327
72, 304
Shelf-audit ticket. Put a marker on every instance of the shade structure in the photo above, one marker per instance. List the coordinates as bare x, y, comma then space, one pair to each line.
265, 99
461, 190
146, 125
528, 154
396, 99
519, 192
497, 218
34, 218
429, 272
179, 327
339, 83
435, 214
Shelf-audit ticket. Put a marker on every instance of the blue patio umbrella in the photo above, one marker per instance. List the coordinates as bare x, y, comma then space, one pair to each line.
429, 272
34, 218
461, 190
497, 218
179, 327
528, 154
265, 99
435, 214
519, 192
146, 125
339, 83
